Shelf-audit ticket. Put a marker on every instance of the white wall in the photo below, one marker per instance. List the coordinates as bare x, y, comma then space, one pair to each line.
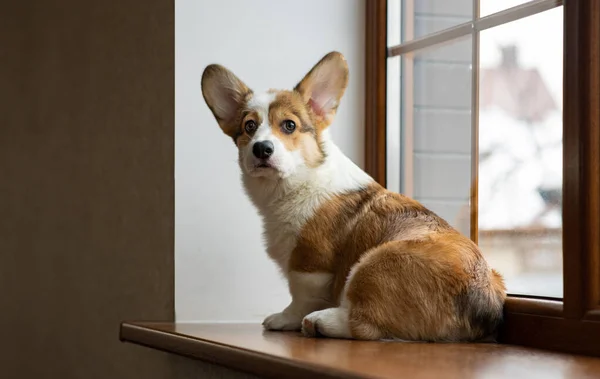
221, 270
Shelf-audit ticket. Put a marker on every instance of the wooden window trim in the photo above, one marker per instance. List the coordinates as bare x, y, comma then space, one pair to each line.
582, 158
463, 30
474, 191
571, 325
375, 89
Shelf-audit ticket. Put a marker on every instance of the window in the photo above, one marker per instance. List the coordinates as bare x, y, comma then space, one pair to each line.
488, 113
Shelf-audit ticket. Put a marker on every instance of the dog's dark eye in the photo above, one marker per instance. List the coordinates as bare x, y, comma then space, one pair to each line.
289, 126
250, 126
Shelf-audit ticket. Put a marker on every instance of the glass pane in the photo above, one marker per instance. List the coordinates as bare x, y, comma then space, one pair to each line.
487, 7
394, 22
520, 152
436, 126
393, 98
423, 17
393, 130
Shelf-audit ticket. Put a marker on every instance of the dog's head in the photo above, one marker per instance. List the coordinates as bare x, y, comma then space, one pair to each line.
278, 133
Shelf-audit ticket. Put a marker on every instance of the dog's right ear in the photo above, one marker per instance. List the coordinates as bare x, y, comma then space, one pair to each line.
224, 94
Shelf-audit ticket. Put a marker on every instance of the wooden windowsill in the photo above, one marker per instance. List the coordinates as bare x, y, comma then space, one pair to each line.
246, 347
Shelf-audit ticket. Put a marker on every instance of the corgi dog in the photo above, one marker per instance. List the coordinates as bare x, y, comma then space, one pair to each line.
361, 262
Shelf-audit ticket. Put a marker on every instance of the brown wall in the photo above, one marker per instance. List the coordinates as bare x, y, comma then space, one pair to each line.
86, 185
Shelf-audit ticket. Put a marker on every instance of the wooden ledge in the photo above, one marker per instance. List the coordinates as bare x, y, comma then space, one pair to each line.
246, 347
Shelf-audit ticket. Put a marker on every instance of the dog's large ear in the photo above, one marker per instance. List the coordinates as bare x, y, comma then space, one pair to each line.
224, 94
324, 85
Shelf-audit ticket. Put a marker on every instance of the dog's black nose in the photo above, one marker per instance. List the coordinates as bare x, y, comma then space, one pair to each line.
263, 149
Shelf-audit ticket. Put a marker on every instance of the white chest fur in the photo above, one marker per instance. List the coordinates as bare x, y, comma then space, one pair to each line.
287, 204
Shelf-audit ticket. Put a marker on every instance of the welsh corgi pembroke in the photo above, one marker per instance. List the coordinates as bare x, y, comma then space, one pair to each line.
361, 262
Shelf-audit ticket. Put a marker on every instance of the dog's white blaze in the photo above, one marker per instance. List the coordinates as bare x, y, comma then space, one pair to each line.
263, 133
285, 161
260, 102
286, 203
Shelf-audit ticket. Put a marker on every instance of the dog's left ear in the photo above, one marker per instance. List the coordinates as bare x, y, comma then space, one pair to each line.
324, 85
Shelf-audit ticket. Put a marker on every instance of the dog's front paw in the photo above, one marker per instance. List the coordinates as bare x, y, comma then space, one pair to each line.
282, 321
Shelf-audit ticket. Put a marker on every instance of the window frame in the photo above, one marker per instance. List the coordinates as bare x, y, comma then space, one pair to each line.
573, 324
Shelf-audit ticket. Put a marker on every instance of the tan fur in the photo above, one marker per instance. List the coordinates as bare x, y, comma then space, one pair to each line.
239, 134
289, 105
347, 226
414, 277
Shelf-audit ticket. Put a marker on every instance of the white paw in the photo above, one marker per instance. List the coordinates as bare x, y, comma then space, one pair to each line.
332, 322
282, 321
310, 325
